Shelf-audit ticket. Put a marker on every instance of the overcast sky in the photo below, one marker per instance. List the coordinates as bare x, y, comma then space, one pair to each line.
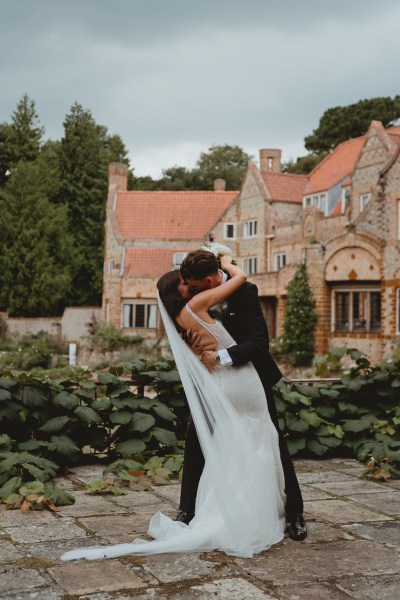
173, 77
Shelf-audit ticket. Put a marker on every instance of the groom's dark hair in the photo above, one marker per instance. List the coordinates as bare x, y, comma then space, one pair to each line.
199, 264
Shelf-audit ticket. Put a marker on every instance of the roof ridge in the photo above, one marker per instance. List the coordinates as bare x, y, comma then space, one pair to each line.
285, 174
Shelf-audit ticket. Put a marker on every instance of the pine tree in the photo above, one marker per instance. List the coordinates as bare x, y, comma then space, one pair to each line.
34, 248
86, 150
300, 319
21, 139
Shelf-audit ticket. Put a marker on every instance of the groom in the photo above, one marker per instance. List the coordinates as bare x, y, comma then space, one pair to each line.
244, 320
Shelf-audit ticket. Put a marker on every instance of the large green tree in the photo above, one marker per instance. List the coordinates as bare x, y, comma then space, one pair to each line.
35, 248
346, 122
21, 139
224, 161
85, 152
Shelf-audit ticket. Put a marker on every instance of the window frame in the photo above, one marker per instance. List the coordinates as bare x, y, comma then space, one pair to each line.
132, 304
250, 228
250, 265
176, 264
226, 225
350, 290
398, 311
363, 205
278, 256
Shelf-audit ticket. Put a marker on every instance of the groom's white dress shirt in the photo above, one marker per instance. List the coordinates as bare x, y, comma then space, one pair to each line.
224, 358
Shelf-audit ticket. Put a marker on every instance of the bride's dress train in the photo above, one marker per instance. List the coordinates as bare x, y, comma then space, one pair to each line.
240, 499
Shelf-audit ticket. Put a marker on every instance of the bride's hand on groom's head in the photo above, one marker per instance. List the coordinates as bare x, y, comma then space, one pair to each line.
226, 260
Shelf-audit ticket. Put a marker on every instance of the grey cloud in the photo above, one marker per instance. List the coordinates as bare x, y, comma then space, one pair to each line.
169, 73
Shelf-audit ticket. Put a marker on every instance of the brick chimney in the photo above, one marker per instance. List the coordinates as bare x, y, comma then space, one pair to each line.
270, 160
219, 185
117, 177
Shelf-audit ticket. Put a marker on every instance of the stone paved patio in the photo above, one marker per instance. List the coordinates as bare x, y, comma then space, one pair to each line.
352, 551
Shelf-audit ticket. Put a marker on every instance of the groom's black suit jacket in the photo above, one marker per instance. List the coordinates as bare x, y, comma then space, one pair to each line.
245, 321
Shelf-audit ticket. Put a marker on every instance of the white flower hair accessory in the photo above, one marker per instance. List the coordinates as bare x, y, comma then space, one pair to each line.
219, 250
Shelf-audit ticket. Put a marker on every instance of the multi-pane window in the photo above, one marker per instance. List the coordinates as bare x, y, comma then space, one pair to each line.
139, 315
250, 228
229, 231
250, 265
279, 260
356, 310
398, 310
364, 199
318, 200
398, 219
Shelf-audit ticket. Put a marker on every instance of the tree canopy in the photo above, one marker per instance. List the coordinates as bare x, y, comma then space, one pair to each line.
346, 122
219, 162
21, 139
35, 247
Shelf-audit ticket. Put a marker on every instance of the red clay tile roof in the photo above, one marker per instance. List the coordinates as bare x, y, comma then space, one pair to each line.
286, 187
335, 167
338, 209
170, 215
150, 262
340, 163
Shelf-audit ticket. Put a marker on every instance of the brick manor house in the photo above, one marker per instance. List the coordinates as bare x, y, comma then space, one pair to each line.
343, 219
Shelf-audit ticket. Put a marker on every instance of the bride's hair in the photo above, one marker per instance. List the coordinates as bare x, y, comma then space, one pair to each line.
167, 287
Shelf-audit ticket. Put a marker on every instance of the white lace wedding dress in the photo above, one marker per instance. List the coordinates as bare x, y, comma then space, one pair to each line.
240, 499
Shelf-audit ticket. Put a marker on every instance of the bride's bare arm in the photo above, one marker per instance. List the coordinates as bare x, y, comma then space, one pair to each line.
203, 301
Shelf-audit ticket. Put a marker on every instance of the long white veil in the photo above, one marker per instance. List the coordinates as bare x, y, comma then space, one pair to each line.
233, 508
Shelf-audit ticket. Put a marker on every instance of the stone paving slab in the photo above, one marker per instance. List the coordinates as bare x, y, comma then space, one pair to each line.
312, 493
297, 563
372, 588
340, 511
351, 487
88, 577
133, 499
16, 518
168, 568
89, 504
63, 530
387, 533
387, 501
14, 580
86, 473
323, 477
8, 552
217, 589
317, 591
117, 529
52, 550
169, 492
352, 550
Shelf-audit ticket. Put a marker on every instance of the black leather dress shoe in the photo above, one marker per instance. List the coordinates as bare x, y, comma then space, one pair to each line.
184, 517
297, 527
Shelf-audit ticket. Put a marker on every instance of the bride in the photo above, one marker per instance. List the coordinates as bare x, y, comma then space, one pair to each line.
240, 499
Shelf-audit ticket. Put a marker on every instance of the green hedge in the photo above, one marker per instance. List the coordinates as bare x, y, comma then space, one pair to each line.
139, 410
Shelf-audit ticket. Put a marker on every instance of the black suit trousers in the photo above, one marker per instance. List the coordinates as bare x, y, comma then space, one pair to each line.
194, 462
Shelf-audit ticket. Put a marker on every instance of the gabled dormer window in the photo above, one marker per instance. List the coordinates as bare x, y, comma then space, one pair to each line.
318, 200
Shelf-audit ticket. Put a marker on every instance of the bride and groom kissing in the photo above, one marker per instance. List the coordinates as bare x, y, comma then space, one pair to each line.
239, 487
